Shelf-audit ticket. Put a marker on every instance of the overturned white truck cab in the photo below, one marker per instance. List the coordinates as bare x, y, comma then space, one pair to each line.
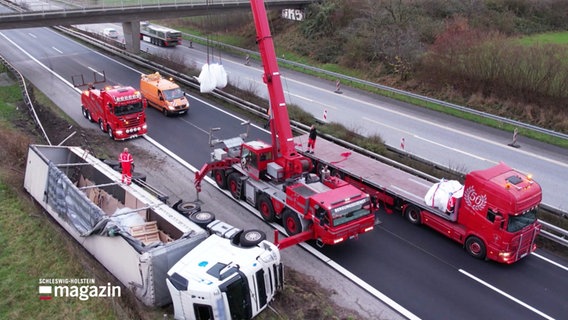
139, 238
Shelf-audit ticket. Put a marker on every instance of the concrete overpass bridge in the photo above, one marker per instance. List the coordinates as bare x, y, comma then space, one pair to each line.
45, 13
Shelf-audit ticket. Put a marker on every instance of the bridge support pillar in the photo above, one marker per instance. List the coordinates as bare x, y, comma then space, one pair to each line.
131, 31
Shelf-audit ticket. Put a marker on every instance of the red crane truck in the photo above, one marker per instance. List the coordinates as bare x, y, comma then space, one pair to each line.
119, 111
493, 214
275, 178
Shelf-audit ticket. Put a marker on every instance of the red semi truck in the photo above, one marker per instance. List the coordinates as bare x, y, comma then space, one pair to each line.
493, 214
119, 111
275, 178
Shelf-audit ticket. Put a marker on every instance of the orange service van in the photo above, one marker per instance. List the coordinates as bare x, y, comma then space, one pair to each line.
163, 94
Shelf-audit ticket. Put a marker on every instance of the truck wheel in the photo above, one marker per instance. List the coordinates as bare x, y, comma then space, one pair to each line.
266, 208
412, 214
250, 238
165, 111
291, 222
84, 112
188, 208
475, 247
110, 132
233, 185
202, 218
101, 125
220, 178
89, 116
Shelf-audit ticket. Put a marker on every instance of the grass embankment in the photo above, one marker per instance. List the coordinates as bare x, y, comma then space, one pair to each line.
32, 246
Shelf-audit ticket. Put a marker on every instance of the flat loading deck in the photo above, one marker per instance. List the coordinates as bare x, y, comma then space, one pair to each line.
373, 171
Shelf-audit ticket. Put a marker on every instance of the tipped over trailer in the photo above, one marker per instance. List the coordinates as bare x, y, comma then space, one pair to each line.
152, 249
493, 214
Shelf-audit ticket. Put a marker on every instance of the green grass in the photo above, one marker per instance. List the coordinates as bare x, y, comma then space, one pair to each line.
33, 249
544, 38
9, 95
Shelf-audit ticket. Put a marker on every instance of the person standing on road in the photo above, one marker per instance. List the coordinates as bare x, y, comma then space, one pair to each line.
312, 139
126, 163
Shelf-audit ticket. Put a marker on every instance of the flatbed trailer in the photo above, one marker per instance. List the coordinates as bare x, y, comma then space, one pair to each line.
493, 215
355, 167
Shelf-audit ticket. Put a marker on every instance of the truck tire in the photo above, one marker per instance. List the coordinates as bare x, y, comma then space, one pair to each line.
412, 214
220, 178
475, 247
265, 207
250, 238
101, 125
165, 112
187, 208
291, 222
233, 185
110, 132
202, 218
85, 112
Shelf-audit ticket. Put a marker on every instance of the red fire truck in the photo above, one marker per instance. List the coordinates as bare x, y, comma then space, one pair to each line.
119, 111
275, 178
493, 214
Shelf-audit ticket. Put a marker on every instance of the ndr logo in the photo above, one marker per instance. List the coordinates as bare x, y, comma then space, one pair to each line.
82, 293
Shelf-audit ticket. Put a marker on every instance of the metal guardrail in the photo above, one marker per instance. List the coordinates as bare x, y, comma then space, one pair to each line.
554, 233
25, 95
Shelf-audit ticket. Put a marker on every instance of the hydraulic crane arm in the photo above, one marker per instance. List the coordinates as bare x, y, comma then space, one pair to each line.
282, 140
280, 122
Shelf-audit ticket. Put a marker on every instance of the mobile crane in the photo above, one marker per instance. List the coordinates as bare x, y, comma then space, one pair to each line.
275, 178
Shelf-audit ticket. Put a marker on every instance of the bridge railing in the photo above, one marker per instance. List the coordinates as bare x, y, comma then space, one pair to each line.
64, 5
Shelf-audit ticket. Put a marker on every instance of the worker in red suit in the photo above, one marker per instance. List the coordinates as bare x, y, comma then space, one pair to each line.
312, 139
126, 163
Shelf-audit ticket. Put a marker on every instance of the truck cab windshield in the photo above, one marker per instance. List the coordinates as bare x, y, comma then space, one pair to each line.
173, 94
517, 223
349, 212
128, 109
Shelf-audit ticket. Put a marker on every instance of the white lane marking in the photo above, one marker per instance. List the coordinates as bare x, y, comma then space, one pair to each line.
429, 141
94, 70
506, 295
550, 261
32, 35
54, 48
39, 63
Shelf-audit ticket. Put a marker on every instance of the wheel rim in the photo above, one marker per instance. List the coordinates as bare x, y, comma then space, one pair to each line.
475, 248
84, 113
109, 130
264, 209
188, 207
218, 178
413, 215
89, 116
101, 125
253, 236
291, 225
202, 216
233, 186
